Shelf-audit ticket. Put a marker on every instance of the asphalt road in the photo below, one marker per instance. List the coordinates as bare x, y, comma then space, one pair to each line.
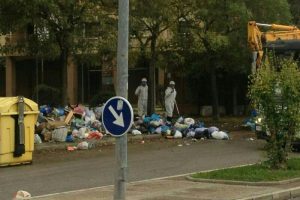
58, 171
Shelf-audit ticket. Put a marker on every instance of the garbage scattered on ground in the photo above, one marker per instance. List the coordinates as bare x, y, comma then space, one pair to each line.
83, 145
78, 124
182, 128
37, 139
22, 195
83, 125
250, 121
219, 135
71, 148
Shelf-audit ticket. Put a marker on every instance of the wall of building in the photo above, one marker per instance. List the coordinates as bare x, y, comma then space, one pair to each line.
31, 72
192, 94
51, 75
2, 81
94, 80
25, 78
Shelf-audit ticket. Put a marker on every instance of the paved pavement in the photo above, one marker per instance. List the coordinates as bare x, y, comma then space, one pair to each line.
180, 189
59, 171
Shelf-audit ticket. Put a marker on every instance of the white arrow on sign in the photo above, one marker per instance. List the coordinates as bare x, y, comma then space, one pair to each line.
119, 118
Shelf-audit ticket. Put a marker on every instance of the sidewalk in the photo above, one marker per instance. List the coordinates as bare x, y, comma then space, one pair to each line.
179, 188
174, 188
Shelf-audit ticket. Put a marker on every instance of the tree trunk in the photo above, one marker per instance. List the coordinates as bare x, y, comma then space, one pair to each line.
152, 78
234, 99
215, 97
64, 95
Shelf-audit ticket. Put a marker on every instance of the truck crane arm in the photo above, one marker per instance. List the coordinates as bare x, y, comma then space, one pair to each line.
278, 38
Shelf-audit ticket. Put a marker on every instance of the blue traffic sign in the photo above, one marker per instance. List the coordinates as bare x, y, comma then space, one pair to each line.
117, 116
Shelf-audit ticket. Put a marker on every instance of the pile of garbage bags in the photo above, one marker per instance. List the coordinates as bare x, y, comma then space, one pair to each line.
69, 124
84, 124
183, 127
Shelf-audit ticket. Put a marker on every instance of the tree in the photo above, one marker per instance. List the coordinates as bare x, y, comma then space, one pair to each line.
295, 10
149, 19
211, 28
269, 11
63, 29
216, 35
275, 93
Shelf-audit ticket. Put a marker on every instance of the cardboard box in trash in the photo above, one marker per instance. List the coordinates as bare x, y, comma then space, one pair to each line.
55, 124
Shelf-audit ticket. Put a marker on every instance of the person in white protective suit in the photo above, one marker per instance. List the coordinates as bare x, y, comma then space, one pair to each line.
170, 95
142, 93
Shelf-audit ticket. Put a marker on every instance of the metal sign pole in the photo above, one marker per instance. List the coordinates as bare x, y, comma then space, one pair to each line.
122, 90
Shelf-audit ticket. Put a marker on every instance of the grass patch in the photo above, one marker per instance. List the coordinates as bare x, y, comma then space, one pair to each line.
254, 173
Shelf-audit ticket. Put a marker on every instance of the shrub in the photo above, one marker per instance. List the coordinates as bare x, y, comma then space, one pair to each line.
275, 92
100, 98
47, 95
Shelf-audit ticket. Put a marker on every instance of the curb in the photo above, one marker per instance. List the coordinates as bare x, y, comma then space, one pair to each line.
280, 195
285, 194
229, 182
106, 141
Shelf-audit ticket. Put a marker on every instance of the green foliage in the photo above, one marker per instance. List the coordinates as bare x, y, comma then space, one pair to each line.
61, 28
14, 15
275, 91
149, 19
218, 31
295, 9
208, 34
185, 36
269, 11
149, 23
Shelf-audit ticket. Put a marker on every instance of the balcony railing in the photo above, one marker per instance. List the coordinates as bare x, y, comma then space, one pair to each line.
11, 44
13, 39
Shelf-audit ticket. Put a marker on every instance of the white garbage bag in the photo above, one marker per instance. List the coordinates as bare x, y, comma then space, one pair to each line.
83, 145
220, 135
37, 139
190, 134
189, 121
136, 132
155, 123
60, 134
180, 126
180, 120
75, 133
177, 134
212, 129
83, 132
21, 194
158, 130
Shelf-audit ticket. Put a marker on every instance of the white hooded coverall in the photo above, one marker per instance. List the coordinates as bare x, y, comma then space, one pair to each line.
170, 101
142, 93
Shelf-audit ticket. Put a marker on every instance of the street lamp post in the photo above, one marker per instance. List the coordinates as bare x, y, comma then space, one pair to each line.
122, 90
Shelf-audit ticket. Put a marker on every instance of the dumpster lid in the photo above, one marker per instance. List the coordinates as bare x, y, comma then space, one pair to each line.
10, 104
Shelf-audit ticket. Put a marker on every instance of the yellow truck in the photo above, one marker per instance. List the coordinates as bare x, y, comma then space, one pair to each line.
281, 39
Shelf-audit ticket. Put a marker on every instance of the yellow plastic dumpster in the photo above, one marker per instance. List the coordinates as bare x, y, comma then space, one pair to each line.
18, 116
